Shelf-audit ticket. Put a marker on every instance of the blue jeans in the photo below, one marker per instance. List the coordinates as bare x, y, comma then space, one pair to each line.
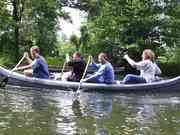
133, 79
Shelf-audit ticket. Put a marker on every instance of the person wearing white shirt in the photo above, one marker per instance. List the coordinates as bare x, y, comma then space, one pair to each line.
148, 69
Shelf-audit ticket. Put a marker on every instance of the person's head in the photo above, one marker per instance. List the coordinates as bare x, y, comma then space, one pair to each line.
102, 58
76, 56
34, 51
148, 54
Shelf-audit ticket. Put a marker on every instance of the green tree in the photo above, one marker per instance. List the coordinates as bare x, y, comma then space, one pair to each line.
133, 25
29, 22
84, 39
75, 41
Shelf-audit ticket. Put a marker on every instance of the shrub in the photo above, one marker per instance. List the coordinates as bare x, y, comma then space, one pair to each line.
170, 68
55, 61
6, 61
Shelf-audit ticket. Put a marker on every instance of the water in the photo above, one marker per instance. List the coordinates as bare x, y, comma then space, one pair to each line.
53, 112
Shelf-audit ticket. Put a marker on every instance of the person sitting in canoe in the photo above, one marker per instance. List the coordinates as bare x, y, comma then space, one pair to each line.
105, 73
148, 69
36, 68
78, 66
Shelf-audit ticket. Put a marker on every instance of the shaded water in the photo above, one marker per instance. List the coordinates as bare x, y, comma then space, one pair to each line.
53, 112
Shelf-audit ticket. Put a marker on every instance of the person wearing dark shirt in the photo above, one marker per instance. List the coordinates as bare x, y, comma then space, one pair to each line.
36, 68
78, 66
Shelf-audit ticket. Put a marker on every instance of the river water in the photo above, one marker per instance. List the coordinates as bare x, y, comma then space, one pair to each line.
55, 112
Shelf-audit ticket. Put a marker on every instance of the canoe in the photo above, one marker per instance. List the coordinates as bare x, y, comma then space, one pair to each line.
17, 79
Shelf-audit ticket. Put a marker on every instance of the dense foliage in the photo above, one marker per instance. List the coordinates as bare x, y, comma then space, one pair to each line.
113, 26
24, 23
133, 25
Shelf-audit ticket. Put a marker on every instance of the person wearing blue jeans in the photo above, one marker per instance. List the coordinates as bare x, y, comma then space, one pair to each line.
148, 69
130, 78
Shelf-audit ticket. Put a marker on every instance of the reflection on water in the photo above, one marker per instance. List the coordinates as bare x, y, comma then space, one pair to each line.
53, 112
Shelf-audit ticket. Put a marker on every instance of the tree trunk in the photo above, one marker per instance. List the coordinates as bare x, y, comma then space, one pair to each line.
16, 30
16, 45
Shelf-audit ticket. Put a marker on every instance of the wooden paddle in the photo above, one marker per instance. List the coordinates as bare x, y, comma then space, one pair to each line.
64, 65
19, 62
5, 80
85, 70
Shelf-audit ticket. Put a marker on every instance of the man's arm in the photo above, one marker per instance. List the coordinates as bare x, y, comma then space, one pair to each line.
26, 67
95, 65
99, 73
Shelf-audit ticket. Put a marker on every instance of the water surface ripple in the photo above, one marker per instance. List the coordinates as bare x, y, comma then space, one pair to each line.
55, 112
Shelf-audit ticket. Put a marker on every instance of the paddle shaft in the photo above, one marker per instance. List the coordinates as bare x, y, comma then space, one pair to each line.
19, 63
89, 59
85, 70
64, 65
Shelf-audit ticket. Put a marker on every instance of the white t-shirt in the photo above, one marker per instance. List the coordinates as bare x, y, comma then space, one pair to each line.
148, 70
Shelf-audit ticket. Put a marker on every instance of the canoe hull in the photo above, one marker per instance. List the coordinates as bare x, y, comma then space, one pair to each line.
16, 79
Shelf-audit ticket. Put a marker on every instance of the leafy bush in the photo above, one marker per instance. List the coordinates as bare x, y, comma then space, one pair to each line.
55, 61
170, 62
65, 48
170, 68
6, 61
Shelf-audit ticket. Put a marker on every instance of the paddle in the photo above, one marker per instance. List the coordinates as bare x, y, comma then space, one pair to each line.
19, 62
85, 70
5, 80
64, 65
